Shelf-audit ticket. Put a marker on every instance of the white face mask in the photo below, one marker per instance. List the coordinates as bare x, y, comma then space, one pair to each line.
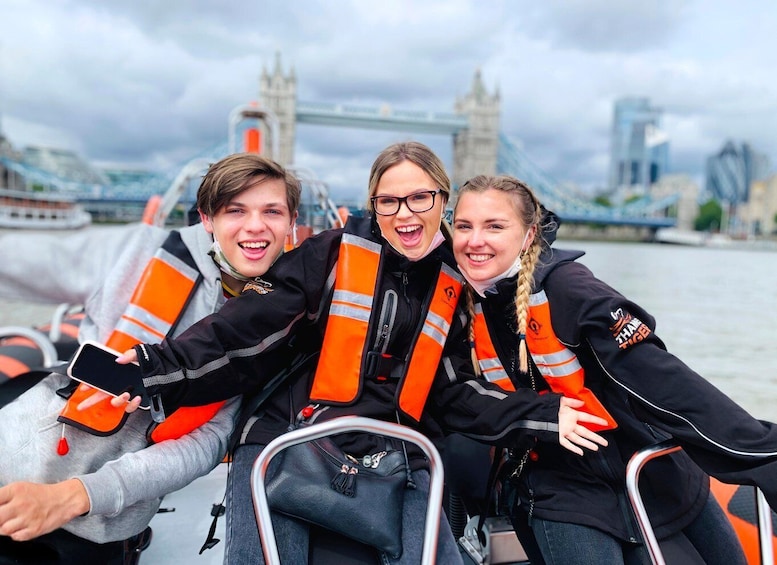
437, 240
481, 286
223, 263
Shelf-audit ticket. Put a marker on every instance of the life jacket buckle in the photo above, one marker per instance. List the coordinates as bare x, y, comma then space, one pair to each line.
380, 366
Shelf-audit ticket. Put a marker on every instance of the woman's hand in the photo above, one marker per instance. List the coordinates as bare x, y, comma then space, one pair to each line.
572, 435
129, 356
129, 404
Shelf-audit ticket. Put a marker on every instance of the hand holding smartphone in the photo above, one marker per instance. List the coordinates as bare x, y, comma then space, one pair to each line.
95, 364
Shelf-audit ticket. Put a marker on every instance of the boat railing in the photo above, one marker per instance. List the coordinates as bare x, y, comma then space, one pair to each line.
59, 318
38, 338
342, 425
633, 470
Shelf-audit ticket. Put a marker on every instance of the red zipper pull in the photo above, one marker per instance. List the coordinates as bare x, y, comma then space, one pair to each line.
62, 447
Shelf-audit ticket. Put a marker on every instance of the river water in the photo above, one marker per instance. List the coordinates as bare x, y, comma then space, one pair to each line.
716, 309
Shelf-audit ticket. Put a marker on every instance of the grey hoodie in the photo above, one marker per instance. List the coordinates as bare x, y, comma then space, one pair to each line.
124, 477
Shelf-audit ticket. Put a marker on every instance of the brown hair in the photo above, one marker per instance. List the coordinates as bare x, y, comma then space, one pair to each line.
235, 173
530, 213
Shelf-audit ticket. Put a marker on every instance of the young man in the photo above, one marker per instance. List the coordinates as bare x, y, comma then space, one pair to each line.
72, 495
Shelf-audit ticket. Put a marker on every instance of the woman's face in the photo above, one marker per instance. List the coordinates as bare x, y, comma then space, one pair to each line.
487, 234
251, 228
409, 232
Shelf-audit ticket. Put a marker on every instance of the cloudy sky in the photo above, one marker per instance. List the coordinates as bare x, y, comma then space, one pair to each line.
150, 83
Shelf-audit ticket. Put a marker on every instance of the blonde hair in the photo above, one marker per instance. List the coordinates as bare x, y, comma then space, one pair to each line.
418, 154
530, 212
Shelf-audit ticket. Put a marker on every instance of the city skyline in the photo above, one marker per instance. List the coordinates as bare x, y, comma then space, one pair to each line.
142, 85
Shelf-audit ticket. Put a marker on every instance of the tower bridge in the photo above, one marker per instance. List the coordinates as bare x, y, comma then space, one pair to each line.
479, 147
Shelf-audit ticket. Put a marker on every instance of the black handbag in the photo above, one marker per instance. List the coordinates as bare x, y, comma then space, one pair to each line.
318, 483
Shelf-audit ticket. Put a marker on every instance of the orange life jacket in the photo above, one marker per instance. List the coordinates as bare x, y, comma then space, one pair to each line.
558, 365
158, 301
338, 375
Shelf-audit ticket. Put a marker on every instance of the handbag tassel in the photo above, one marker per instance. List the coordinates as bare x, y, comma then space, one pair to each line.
344, 481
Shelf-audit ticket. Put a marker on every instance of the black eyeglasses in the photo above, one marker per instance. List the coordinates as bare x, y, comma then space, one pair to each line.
417, 202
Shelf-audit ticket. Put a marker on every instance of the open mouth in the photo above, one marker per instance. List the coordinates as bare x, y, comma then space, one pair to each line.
479, 257
254, 244
409, 235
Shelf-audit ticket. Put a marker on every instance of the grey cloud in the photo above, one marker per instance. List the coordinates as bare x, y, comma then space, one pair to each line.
152, 83
603, 25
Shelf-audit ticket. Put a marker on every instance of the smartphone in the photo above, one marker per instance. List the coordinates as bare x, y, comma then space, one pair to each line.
95, 365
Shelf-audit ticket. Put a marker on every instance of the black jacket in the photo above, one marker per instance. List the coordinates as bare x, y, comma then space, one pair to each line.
255, 335
651, 394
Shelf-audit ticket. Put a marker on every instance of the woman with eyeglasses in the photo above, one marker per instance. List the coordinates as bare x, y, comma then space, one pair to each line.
377, 302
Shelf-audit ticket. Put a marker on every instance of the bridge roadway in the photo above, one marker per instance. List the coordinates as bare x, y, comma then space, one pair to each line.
383, 117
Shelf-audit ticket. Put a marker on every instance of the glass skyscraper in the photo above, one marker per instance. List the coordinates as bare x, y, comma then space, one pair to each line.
731, 171
639, 148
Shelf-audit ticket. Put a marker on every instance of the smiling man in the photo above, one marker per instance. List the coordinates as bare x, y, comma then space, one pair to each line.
70, 491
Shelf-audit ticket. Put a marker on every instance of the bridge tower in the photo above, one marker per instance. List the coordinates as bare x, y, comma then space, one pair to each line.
475, 149
278, 93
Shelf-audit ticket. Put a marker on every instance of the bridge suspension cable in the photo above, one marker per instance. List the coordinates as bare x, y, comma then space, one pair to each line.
645, 211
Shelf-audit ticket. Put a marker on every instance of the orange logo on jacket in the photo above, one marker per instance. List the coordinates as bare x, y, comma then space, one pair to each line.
628, 329
451, 296
259, 286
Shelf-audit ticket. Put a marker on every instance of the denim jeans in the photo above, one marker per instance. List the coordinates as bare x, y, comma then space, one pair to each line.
710, 540
243, 545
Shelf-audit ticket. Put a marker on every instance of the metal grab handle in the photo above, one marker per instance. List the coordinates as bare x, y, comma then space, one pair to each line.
764, 528
633, 469
341, 425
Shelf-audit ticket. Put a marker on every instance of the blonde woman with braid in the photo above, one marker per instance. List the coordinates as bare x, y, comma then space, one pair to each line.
541, 320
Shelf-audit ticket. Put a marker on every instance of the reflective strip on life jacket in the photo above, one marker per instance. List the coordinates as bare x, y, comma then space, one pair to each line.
159, 298
558, 365
428, 349
337, 378
337, 374
489, 362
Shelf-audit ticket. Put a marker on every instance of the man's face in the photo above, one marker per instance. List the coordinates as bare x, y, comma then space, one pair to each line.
251, 229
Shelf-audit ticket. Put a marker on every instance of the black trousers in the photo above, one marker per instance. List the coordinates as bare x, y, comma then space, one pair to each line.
63, 548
